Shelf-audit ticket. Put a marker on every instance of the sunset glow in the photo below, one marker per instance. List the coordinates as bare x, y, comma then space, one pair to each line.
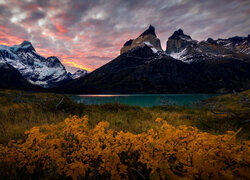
88, 34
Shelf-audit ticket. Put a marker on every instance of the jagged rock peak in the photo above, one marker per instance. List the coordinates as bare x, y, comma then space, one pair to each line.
27, 44
178, 42
53, 58
79, 73
150, 30
211, 41
147, 38
53, 61
179, 34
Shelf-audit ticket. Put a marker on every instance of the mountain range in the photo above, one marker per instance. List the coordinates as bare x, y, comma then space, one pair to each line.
186, 66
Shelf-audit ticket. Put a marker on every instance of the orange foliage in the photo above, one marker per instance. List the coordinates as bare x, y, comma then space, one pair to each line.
76, 151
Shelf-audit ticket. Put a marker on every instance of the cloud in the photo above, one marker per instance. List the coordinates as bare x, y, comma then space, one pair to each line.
89, 33
35, 16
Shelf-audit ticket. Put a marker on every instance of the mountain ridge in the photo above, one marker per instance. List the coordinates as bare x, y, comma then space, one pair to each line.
186, 66
139, 69
38, 70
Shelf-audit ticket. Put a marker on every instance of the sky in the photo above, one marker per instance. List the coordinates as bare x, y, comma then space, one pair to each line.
85, 34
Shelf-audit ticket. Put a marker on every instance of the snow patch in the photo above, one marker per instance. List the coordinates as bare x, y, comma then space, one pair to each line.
179, 55
151, 46
79, 73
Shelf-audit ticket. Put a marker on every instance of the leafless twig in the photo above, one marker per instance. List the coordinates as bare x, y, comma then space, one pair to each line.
138, 172
212, 109
18, 98
241, 97
60, 102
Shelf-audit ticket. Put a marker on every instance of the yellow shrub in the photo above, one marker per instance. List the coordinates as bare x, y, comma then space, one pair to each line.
74, 150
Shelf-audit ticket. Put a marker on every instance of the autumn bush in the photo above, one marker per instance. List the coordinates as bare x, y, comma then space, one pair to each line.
73, 150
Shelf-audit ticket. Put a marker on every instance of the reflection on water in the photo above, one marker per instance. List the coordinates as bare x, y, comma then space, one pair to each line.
144, 100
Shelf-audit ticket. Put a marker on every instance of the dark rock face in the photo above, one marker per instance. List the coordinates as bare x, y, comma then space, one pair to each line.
182, 47
10, 78
130, 73
179, 34
147, 38
150, 30
178, 41
211, 41
236, 44
53, 61
27, 45
129, 42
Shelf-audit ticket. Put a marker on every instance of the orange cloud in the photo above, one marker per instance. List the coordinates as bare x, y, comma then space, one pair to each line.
64, 58
8, 40
73, 64
61, 28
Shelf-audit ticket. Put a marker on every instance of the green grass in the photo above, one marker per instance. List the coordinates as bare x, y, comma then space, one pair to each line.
19, 111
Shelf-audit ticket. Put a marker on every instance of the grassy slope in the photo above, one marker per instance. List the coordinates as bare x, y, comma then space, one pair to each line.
20, 111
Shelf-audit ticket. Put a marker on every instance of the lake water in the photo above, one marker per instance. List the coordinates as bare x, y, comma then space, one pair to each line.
144, 100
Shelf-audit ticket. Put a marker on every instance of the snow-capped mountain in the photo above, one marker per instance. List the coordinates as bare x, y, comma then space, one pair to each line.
187, 66
78, 73
35, 68
182, 47
239, 44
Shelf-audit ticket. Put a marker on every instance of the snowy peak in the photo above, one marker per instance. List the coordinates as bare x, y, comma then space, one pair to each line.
147, 38
236, 43
181, 46
79, 73
38, 70
53, 61
24, 46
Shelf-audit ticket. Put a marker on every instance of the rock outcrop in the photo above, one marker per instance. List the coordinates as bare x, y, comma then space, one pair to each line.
79, 73
178, 41
147, 38
182, 47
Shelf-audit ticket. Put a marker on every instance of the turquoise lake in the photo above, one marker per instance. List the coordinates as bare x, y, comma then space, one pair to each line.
144, 100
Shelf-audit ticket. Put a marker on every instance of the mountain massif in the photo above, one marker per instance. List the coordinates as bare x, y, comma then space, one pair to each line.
34, 68
187, 66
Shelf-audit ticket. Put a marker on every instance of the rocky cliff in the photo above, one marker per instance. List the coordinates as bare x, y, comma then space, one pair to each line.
148, 38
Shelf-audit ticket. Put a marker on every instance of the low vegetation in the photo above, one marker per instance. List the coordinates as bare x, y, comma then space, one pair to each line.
71, 149
209, 141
